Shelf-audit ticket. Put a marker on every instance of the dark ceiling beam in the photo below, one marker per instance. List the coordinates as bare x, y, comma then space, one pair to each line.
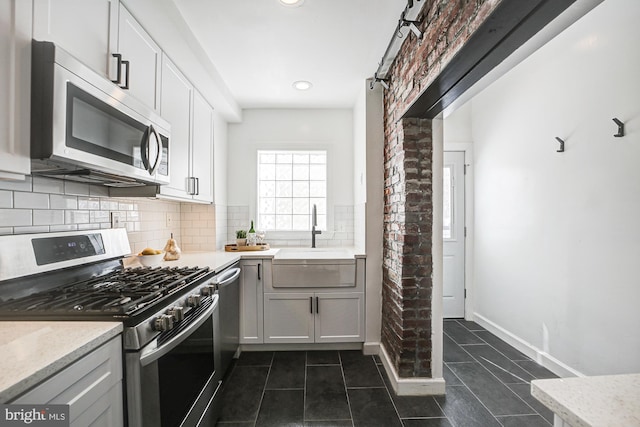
509, 26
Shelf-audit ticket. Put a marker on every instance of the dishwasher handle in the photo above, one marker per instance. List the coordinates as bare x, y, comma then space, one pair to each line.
227, 277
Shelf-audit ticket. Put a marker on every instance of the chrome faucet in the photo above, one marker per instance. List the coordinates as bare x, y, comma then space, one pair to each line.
314, 224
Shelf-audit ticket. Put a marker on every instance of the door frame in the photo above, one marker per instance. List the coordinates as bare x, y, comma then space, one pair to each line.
467, 148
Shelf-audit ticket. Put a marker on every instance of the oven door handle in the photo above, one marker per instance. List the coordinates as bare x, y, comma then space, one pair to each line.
153, 354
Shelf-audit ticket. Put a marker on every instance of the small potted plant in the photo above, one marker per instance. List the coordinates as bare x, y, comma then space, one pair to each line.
241, 237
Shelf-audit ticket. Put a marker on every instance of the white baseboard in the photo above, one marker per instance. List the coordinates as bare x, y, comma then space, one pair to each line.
410, 386
545, 359
371, 348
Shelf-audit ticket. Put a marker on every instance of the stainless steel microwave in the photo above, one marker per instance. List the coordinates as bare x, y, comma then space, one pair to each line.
85, 128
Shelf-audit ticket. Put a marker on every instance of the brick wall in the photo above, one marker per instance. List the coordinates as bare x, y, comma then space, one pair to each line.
407, 267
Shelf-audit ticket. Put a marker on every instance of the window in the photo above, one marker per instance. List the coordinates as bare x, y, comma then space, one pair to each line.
447, 202
289, 184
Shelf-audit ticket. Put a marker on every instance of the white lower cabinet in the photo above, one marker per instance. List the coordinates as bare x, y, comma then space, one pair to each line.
307, 317
252, 278
91, 386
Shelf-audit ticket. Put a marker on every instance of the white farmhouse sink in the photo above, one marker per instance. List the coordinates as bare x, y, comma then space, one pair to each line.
314, 268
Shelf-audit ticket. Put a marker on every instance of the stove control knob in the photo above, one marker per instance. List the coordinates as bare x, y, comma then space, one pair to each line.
208, 290
176, 313
194, 300
164, 323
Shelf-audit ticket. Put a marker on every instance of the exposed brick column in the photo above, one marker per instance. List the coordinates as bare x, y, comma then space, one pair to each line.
407, 283
407, 271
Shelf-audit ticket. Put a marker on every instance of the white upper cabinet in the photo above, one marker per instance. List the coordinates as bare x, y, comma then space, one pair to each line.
175, 107
15, 87
142, 57
87, 29
191, 146
94, 31
202, 149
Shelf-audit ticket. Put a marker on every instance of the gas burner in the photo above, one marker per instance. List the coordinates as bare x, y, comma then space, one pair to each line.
123, 292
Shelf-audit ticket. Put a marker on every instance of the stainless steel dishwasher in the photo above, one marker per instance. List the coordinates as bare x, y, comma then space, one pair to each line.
228, 289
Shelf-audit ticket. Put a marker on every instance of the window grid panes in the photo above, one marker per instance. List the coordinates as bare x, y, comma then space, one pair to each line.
289, 184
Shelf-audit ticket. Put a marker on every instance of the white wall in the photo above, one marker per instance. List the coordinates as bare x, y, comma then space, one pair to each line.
368, 187
330, 129
557, 235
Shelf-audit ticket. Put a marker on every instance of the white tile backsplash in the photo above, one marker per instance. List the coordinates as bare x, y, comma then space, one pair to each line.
6, 199
16, 185
63, 201
55, 206
45, 185
24, 200
76, 188
15, 217
48, 217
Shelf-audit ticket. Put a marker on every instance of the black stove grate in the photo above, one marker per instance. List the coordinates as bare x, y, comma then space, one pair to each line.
120, 293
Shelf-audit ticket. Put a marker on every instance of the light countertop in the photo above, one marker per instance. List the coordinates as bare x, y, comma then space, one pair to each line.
600, 401
33, 351
219, 260
215, 260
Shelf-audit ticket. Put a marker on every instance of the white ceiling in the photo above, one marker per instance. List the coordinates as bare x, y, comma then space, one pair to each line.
260, 47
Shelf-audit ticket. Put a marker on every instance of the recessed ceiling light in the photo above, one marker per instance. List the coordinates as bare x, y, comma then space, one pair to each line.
291, 3
302, 85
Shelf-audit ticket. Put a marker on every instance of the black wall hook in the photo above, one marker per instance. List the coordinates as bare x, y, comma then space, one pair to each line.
561, 145
620, 128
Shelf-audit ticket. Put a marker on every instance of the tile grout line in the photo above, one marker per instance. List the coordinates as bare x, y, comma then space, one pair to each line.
264, 389
395, 408
346, 390
499, 380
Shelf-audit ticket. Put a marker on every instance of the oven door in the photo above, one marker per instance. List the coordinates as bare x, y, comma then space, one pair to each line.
175, 380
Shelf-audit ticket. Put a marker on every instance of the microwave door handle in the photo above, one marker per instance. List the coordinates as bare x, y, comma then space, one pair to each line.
153, 355
145, 150
158, 150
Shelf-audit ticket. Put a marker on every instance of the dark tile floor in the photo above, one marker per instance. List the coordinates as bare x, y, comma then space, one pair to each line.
487, 380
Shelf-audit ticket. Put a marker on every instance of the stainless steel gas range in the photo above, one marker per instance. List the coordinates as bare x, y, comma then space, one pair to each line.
171, 337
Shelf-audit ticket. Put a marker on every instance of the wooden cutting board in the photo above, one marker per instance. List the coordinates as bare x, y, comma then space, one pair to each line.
236, 248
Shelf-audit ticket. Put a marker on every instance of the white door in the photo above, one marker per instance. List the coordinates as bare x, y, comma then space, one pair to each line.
453, 234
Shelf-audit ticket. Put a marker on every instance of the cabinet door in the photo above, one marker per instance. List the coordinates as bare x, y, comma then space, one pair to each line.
251, 302
339, 317
15, 86
202, 148
288, 317
144, 56
87, 29
91, 386
175, 107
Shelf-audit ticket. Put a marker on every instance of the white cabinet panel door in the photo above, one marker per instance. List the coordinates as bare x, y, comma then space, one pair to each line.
251, 301
453, 235
202, 148
177, 93
339, 317
144, 56
87, 29
288, 317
